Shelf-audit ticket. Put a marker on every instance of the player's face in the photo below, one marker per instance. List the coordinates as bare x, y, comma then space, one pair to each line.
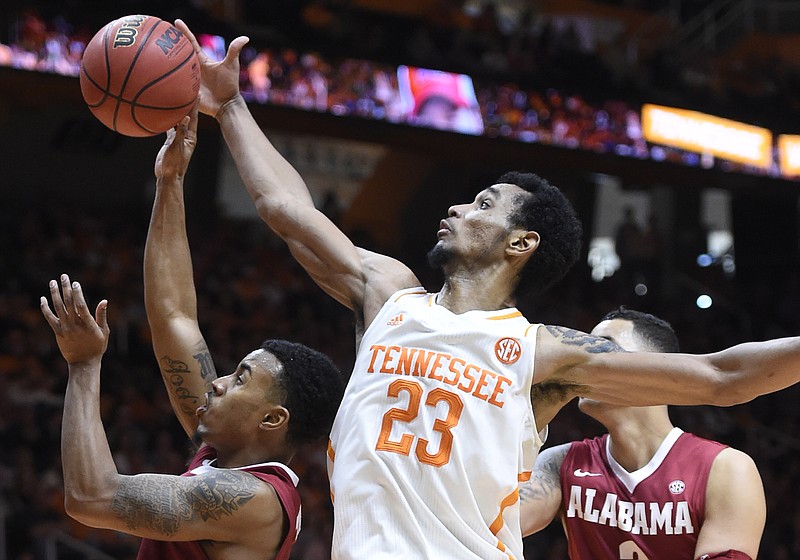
477, 232
238, 402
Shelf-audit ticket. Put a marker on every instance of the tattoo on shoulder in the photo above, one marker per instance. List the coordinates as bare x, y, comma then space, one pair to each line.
161, 504
590, 343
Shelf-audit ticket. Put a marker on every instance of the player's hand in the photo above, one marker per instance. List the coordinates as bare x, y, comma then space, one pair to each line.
80, 336
219, 81
174, 156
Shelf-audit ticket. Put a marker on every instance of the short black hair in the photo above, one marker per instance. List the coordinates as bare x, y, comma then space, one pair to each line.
313, 387
547, 211
657, 332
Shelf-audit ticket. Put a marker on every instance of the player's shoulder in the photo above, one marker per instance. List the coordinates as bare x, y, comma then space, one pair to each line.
555, 454
563, 347
243, 485
733, 464
562, 339
383, 276
382, 268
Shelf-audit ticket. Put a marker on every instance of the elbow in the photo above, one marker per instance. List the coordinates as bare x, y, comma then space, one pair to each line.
728, 390
86, 508
79, 510
273, 213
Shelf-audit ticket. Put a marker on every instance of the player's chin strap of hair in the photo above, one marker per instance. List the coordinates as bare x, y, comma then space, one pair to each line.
730, 554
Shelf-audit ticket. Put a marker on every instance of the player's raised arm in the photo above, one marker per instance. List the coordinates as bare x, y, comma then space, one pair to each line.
594, 367
169, 290
282, 198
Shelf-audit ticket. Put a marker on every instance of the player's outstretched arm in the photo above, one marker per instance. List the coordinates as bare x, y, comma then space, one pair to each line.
282, 198
540, 497
169, 290
736, 508
223, 506
594, 367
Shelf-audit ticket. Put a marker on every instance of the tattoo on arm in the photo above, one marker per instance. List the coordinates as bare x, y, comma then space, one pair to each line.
161, 504
178, 370
207, 371
590, 343
546, 479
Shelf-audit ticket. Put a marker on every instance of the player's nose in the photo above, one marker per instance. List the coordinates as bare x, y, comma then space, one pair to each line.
455, 211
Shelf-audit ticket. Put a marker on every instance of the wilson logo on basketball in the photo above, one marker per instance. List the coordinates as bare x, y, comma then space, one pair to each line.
507, 350
126, 34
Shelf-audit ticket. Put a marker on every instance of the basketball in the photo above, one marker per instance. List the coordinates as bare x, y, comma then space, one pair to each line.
139, 75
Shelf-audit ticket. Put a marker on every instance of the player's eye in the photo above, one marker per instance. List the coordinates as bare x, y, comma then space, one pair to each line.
239, 379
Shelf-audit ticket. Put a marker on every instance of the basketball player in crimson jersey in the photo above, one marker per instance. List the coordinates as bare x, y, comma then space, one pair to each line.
436, 428
645, 490
238, 500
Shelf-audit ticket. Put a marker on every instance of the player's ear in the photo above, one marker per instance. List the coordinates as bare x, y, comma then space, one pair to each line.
276, 417
522, 243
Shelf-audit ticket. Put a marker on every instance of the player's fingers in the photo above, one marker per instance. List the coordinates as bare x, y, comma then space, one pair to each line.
170, 136
191, 125
51, 319
58, 303
236, 47
101, 314
177, 132
80, 301
66, 291
183, 28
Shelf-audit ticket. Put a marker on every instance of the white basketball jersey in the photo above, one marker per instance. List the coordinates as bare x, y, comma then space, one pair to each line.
434, 434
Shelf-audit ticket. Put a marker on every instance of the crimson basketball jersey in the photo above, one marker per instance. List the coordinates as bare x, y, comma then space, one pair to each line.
434, 434
654, 513
277, 475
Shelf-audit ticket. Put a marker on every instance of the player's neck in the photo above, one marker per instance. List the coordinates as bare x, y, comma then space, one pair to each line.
462, 293
633, 443
229, 459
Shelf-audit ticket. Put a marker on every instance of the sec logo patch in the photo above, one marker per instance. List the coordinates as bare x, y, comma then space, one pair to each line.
507, 350
677, 486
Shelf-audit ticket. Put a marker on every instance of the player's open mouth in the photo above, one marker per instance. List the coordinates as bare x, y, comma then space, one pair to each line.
203, 407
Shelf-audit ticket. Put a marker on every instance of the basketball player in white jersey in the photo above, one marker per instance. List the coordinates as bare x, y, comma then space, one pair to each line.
646, 487
436, 428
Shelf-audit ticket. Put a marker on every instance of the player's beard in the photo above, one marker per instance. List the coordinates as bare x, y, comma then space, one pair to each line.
439, 257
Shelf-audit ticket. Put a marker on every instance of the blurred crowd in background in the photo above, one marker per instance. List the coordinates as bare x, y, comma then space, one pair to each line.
250, 287
540, 77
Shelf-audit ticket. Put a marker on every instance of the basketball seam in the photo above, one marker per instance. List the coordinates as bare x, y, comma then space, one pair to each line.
134, 104
130, 71
94, 82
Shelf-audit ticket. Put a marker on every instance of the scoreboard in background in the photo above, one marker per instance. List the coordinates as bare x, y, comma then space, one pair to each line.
789, 154
707, 134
